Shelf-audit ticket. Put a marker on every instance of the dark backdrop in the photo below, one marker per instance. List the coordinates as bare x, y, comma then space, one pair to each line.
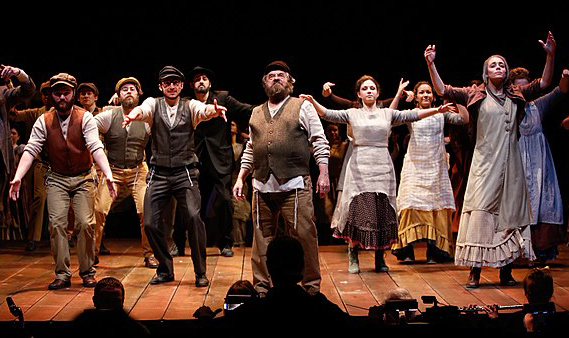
102, 42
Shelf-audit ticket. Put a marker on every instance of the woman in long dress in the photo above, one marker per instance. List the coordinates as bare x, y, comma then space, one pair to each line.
425, 201
494, 227
367, 211
547, 230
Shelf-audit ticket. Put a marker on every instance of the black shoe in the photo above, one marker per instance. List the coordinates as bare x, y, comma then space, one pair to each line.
506, 278
201, 281
59, 284
162, 278
103, 250
96, 261
31, 246
227, 252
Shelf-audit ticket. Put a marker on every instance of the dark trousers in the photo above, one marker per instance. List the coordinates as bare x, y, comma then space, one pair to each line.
164, 183
217, 207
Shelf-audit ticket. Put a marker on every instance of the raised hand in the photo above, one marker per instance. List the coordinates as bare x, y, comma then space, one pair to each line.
327, 89
549, 45
430, 54
564, 83
8, 71
402, 85
114, 100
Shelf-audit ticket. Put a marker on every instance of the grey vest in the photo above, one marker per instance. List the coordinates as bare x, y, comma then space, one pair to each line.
173, 146
125, 149
280, 145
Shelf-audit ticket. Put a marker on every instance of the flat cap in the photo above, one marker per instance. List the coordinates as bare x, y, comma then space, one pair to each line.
63, 78
170, 71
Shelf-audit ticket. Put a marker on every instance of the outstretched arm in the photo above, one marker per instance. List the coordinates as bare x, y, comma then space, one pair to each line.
549, 46
320, 109
447, 107
438, 83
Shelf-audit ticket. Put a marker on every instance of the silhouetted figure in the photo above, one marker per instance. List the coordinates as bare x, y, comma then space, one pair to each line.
108, 319
287, 305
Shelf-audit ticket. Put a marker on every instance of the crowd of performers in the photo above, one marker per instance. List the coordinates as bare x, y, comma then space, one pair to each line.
501, 195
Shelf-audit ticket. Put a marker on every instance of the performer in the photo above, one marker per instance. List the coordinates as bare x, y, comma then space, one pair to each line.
547, 230
282, 133
494, 227
425, 202
125, 151
28, 117
215, 153
367, 209
174, 169
10, 96
70, 136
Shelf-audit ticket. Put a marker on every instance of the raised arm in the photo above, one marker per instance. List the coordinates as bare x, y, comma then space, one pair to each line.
549, 46
436, 80
400, 91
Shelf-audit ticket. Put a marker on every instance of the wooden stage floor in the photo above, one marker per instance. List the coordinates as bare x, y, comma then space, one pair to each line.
24, 277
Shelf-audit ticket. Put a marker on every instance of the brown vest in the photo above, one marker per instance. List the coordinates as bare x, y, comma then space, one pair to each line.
280, 145
67, 157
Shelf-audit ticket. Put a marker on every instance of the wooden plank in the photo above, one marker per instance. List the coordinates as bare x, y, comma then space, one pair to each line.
353, 291
24, 277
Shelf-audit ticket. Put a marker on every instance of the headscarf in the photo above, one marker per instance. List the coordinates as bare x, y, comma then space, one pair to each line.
501, 98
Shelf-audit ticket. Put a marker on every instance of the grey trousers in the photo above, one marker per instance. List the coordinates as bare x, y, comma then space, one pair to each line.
61, 191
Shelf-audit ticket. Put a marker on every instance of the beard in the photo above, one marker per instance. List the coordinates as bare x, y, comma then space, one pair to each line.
278, 91
63, 107
129, 103
202, 89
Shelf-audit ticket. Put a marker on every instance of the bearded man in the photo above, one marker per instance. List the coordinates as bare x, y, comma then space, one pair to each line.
70, 136
283, 133
125, 151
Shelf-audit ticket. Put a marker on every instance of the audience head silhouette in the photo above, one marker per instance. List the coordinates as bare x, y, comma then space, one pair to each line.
109, 294
285, 261
538, 286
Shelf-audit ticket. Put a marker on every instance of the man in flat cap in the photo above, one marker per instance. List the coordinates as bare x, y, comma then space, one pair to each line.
283, 133
88, 94
173, 171
215, 152
125, 151
69, 133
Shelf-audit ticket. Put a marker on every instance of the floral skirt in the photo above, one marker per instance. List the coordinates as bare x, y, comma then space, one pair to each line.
371, 222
